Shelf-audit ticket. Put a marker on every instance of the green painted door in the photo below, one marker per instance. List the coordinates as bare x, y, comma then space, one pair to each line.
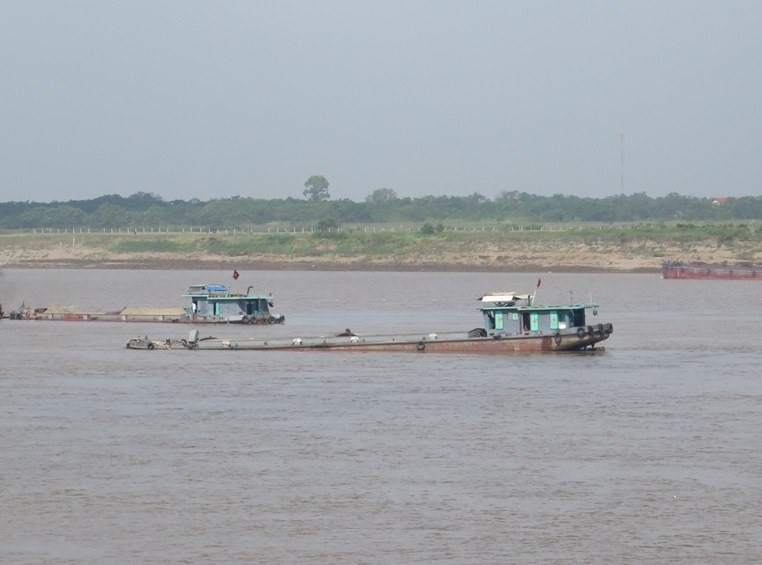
534, 322
554, 320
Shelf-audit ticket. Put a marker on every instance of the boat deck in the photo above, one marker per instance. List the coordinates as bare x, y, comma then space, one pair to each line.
441, 342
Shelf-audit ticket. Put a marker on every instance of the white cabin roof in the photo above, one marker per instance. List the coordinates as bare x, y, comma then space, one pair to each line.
505, 296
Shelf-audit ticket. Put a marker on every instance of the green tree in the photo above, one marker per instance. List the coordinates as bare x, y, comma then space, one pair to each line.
428, 229
381, 195
109, 216
154, 217
327, 224
54, 216
316, 188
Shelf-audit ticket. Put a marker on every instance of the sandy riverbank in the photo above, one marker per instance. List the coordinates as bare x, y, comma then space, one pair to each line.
572, 255
569, 260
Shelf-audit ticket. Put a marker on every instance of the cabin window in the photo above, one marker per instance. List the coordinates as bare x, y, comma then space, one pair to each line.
499, 325
554, 320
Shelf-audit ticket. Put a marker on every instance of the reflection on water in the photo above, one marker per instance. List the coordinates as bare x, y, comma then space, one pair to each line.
648, 451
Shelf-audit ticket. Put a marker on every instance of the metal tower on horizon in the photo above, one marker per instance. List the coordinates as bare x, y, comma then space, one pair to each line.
621, 139
621, 177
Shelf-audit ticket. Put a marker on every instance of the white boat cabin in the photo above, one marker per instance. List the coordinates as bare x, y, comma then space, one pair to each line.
216, 301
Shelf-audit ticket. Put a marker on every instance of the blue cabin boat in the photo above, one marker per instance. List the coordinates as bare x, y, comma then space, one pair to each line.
515, 314
216, 303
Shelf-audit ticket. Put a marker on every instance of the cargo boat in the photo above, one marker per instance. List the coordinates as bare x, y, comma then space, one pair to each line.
512, 323
710, 271
208, 304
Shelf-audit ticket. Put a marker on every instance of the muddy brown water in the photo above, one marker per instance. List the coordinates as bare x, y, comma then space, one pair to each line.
648, 451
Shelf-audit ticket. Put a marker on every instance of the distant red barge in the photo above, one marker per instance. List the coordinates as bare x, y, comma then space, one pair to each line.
711, 271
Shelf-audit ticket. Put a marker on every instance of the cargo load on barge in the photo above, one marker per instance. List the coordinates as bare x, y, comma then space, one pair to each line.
207, 304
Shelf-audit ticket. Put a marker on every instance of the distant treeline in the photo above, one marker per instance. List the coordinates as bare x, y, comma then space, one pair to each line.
383, 206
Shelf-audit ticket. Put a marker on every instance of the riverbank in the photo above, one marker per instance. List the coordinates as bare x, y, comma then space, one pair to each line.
396, 253
558, 260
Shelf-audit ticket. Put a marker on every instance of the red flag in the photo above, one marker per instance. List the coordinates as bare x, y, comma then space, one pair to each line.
538, 282
235, 275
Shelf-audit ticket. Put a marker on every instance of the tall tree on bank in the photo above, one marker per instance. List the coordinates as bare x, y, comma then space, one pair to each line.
380, 196
316, 188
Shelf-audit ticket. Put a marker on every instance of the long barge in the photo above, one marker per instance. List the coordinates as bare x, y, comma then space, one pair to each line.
208, 304
512, 324
710, 271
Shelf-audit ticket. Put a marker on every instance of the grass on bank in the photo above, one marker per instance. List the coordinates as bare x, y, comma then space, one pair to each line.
744, 240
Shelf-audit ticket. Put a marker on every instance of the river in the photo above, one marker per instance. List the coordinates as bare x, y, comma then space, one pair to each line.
647, 451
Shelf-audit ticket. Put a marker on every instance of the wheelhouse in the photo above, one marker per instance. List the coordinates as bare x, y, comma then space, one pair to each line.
511, 313
217, 301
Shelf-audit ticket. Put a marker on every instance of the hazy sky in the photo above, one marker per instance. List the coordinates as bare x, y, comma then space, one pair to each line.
191, 99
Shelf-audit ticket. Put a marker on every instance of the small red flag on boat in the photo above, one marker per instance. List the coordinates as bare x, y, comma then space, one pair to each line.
235, 274
538, 282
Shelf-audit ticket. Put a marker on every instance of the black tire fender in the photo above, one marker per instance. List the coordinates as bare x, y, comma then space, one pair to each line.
581, 333
420, 346
150, 345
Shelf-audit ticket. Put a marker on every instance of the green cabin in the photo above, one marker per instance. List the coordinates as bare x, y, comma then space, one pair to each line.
514, 313
216, 302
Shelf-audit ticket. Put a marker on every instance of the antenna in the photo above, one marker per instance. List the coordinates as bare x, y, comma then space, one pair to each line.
621, 140
621, 177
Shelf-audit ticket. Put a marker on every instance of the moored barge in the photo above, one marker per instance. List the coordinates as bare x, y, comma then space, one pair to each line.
208, 304
710, 271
